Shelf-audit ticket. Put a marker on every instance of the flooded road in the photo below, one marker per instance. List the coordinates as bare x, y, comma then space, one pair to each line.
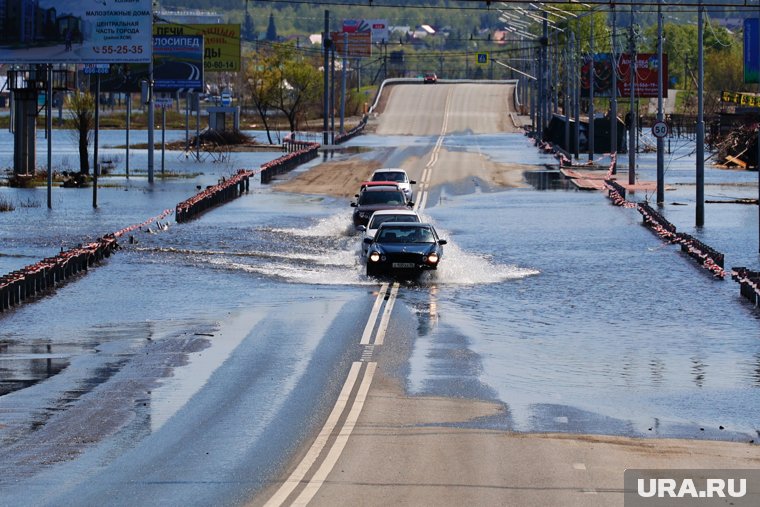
190, 366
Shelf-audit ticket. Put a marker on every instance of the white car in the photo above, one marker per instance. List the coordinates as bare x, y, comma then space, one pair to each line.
397, 175
382, 216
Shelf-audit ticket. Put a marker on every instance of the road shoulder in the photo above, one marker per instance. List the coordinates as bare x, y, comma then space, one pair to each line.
415, 451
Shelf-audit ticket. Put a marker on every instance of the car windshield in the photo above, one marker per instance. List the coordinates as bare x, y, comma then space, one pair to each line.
392, 197
389, 176
403, 234
381, 219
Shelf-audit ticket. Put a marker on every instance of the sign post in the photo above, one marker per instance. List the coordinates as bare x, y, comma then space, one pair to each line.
660, 129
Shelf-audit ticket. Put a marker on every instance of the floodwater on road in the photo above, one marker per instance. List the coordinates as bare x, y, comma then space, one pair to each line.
554, 303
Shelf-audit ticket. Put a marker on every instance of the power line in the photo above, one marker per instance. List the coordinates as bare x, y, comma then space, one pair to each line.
487, 5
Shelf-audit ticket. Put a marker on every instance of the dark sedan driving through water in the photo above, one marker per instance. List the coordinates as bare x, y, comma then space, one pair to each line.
372, 199
404, 248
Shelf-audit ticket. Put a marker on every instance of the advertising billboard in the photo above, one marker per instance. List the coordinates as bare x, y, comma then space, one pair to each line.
602, 75
743, 99
223, 54
352, 45
645, 78
221, 43
751, 50
177, 63
378, 28
66, 31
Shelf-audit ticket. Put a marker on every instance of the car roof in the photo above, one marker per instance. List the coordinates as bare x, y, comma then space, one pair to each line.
365, 184
390, 169
383, 188
406, 224
395, 212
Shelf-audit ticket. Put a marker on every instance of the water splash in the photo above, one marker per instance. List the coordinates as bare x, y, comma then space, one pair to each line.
338, 225
467, 268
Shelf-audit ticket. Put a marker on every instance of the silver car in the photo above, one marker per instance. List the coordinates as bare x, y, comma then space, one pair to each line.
396, 175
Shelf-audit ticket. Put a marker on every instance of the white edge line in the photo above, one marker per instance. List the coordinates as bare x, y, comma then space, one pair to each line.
380, 336
373, 315
340, 442
319, 443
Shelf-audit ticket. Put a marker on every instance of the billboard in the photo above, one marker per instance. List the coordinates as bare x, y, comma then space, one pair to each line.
751, 51
645, 81
177, 63
378, 28
123, 78
359, 44
66, 31
221, 43
743, 99
602, 75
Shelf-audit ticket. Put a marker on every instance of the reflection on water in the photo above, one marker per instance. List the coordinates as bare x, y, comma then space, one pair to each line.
613, 332
23, 365
546, 180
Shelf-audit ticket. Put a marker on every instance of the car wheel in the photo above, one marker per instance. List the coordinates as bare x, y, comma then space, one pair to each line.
371, 271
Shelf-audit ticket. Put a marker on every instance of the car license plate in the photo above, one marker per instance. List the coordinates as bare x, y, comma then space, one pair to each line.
403, 265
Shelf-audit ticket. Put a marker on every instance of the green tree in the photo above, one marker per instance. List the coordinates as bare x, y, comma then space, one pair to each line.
262, 80
249, 32
271, 29
301, 86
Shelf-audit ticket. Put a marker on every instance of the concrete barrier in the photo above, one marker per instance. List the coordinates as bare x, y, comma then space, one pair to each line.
22, 285
749, 283
299, 152
222, 192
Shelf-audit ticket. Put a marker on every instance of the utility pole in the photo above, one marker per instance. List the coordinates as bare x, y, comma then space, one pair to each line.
344, 66
577, 94
614, 91
540, 101
544, 75
567, 99
591, 72
633, 112
660, 140
49, 133
326, 93
332, 94
533, 95
129, 119
151, 122
550, 71
700, 219
96, 143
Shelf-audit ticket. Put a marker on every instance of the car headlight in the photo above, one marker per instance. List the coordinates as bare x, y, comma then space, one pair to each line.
374, 256
432, 258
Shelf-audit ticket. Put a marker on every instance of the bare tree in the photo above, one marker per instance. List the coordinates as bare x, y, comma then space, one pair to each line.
81, 106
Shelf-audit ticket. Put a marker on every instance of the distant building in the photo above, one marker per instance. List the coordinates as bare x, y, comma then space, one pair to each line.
24, 22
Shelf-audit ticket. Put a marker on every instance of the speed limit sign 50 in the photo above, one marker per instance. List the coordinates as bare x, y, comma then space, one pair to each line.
660, 129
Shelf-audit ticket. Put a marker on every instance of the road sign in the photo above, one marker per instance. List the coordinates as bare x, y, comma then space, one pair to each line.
482, 58
660, 129
97, 68
165, 102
